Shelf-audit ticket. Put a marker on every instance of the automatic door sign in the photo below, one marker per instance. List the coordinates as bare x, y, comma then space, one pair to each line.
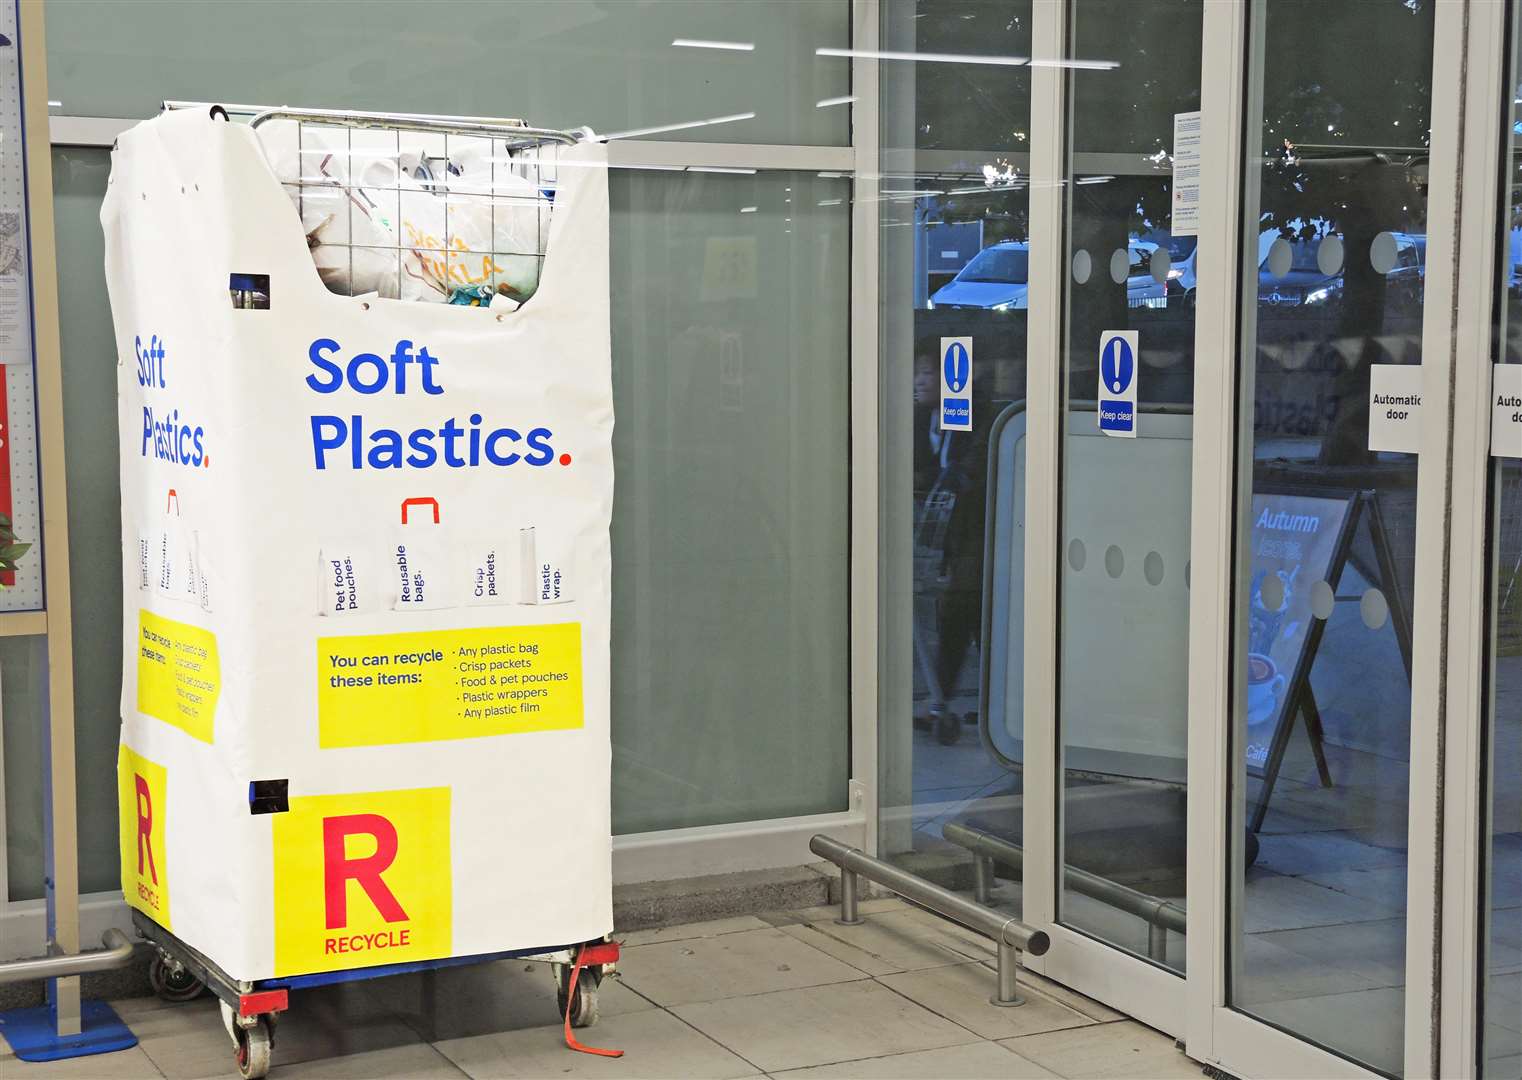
1119, 364
956, 384
1506, 411
1395, 408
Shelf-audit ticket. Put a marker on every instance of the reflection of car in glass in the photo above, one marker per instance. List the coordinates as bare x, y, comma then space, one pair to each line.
1303, 283
1142, 287
995, 280
1306, 286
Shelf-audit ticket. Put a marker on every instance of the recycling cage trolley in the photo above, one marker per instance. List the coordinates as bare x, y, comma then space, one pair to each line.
365, 414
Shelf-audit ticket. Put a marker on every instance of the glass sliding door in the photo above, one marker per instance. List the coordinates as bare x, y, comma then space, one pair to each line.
1334, 231
955, 246
1500, 951
1128, 337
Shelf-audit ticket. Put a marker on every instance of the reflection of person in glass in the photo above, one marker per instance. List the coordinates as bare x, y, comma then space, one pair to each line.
950, 475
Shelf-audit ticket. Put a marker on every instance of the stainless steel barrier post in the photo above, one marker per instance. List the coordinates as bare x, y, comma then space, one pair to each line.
1157, 942
982, 878
1009, 934
1009, 994
849, 915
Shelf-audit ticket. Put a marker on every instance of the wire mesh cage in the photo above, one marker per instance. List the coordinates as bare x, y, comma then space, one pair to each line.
428, 208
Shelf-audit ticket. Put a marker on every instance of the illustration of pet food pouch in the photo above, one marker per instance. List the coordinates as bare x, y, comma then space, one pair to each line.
349, 577
546, 561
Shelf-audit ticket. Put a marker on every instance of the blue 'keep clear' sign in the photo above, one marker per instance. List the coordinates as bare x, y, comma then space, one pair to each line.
1119, 370
956, 384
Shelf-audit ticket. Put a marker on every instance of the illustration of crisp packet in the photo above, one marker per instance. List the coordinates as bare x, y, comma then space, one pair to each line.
491, 574
351, 579
546, 567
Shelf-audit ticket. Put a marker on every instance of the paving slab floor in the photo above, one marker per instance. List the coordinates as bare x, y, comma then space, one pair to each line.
785, 994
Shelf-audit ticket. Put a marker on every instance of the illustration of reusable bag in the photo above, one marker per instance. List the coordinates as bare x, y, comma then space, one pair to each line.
420, 570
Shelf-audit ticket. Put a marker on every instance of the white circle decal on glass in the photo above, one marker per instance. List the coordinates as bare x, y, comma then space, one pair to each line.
1329, 255
1161, 264
1272, 592
1083, 266
1120, 266
1382, 253
1280, 256
1322, 600
1078, 555
1374, 609
1115, 561
1152, 567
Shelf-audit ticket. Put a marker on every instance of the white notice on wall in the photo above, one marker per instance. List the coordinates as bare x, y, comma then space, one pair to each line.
1395, 407
1506, 411
1186, 174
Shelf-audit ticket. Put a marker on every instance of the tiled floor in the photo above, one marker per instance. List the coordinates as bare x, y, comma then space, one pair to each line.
790, 994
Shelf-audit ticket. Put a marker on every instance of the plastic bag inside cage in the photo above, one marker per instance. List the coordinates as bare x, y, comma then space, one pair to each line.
432, 217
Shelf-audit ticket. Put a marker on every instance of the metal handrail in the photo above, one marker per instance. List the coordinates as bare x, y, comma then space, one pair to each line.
117, 953
1160, 915
1009, 934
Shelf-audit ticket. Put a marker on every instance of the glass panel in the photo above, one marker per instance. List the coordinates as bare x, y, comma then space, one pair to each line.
955, 258
1124, 646
95, 529
748, 71
1334, 231
23, 716
1501, 939
730, 527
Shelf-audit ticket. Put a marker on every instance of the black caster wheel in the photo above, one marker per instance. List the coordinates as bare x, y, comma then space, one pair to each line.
172, 981
584, 1010
1250, 852
253, 1048
948, 728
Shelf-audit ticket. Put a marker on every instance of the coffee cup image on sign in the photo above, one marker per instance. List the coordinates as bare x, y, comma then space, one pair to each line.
349, 579
546, 566
419, 574
1265, 689
491, 573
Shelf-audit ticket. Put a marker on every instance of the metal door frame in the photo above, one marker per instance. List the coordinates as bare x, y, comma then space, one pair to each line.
1488, 90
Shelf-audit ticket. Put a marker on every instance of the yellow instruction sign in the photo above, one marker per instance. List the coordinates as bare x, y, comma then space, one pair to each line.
382, 689
178, 674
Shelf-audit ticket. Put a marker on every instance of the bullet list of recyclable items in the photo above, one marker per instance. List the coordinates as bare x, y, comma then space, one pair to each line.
445, 684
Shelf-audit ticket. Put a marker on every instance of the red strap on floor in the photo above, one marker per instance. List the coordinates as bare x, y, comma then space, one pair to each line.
570, 1003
